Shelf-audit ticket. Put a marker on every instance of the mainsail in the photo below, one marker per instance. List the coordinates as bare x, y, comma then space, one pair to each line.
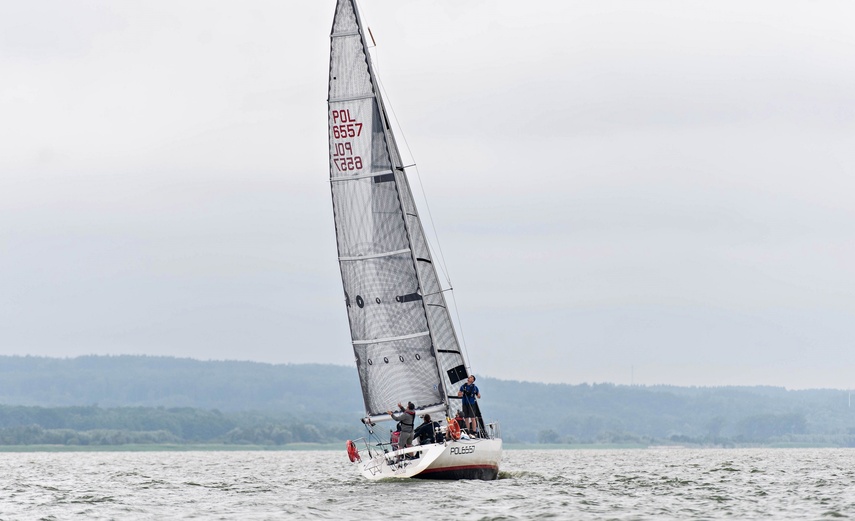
403, 339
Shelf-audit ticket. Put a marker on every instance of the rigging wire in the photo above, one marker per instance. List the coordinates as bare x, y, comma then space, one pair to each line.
442, 264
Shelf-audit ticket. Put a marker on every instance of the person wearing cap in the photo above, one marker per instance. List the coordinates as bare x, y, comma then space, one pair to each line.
427, 431
408, 419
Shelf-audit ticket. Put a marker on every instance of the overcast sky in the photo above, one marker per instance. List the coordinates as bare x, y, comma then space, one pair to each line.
624, 191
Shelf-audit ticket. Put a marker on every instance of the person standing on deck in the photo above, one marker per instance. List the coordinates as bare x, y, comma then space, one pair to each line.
468, 392
407, 419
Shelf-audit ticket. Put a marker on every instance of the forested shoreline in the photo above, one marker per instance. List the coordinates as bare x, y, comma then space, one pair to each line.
124, 400
92, 425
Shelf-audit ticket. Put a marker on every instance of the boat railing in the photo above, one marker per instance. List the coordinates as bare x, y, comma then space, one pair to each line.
374, 449
489, 431
493, 430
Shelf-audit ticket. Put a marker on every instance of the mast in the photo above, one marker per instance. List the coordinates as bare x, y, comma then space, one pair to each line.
403, 186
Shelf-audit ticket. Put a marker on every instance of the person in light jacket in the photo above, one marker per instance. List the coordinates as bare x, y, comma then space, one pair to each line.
408, 419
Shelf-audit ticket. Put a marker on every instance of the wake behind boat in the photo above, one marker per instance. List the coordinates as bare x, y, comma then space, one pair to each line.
402, 334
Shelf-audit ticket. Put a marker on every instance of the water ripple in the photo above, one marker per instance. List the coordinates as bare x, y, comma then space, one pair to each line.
598, 485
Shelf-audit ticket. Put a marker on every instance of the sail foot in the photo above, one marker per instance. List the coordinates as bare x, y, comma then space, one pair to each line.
402, 370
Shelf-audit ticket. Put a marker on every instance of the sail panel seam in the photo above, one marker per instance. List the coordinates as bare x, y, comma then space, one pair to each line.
351, 98
391, 338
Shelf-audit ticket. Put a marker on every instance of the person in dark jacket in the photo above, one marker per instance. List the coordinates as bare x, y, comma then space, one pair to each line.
427, 432
471, 412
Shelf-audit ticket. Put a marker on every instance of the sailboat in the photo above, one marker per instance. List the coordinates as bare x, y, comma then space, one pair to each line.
403, 339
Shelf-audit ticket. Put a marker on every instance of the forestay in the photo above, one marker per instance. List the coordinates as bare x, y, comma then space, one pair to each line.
403, 338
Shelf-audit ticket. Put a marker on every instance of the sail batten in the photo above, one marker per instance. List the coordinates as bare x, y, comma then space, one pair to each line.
391, 339
374, 256
362, 176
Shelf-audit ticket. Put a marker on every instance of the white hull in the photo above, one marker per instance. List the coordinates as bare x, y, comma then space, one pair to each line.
461, 459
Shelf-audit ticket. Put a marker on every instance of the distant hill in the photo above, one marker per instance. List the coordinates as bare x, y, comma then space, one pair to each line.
113, 381
713, 415
266, 397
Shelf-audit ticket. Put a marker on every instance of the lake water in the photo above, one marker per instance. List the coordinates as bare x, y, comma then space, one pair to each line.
560, 484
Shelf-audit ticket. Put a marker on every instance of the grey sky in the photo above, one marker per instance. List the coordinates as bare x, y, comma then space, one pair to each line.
657, 192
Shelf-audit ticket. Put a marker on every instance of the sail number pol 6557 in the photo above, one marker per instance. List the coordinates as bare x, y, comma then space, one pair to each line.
345, 131
469, 449
344, 159
345, 126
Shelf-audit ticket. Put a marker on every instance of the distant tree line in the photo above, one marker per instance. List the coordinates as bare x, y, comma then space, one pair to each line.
91, 425
140, 399
607, 413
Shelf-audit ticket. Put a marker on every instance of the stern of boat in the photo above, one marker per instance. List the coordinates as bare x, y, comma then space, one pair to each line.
465, 458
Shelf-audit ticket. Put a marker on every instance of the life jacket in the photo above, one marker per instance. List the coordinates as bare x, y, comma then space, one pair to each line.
469, 392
